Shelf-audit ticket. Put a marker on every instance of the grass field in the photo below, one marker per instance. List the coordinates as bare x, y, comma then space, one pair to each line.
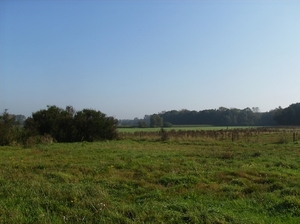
152, 181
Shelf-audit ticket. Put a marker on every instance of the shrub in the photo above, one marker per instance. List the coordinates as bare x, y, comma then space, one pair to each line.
10, 131
164, 134
167, 124
70, 126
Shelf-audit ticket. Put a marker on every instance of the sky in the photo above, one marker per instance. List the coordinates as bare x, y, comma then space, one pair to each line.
132, 58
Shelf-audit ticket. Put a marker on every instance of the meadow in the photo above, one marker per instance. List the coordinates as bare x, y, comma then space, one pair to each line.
184, 176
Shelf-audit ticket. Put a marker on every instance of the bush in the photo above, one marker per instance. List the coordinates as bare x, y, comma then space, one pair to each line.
70, 126
143, 124
10, 131
167, 124
163, 135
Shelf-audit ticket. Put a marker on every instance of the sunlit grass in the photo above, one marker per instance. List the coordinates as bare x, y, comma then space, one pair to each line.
151, 182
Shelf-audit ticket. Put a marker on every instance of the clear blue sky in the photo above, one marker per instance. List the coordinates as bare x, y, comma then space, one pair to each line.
131, 58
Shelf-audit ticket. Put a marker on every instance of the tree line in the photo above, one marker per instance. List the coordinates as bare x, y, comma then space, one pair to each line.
289, 115
68, 125
220, 117
63, 125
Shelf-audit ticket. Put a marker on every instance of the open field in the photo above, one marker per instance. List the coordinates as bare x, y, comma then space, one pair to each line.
180, 180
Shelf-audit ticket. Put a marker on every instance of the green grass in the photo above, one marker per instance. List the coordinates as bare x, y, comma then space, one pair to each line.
125, 181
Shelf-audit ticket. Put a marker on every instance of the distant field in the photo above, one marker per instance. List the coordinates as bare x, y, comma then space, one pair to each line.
201, 180
183, 127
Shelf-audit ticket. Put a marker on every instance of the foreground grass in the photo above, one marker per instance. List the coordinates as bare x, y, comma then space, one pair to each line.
151, 182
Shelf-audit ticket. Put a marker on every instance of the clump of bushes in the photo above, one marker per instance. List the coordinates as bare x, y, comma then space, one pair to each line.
56, 124
71, 126
11, 132
167, 125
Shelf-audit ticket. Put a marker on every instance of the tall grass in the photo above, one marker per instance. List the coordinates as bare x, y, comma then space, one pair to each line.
203, 180
182, 128
242, 134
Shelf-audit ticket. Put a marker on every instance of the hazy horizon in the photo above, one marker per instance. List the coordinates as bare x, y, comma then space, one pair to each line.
132, 58
147, 114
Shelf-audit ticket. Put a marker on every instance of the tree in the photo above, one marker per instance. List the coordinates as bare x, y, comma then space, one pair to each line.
167, 124
289, 115
143, 124
255, 109
7, 122
156, 121
54, 121
267, 118
93, 125
220, 116
147, 118
10, 130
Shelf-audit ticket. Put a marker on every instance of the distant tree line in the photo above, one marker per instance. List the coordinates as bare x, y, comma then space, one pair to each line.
63, 125
68, 125
218, 117
222, 116
153, 121
289, 115
136, 122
